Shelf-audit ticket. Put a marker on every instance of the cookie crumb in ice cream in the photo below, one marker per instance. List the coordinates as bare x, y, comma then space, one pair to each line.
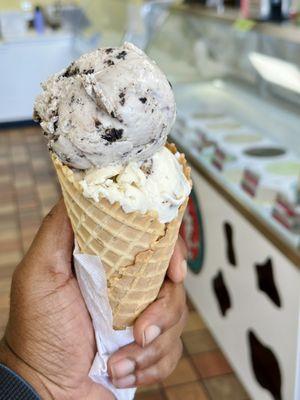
122, 55
147, 166
109, 50
112, 134
122, 97
36, 116
97, 123
143, 99
88, 71
72, 70
109, 62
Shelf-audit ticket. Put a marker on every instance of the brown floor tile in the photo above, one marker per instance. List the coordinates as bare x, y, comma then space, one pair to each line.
190, 304
6, 271
5, 179
189, 391
9, 245
8, 209
4, 300
198, 341
9, 234
8, 222
225, 388
183, 373
150, 388
10, 258
194, 322
5, 285
152, 395
211, 363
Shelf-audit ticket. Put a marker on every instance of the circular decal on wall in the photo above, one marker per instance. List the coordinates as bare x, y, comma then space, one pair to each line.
193, 234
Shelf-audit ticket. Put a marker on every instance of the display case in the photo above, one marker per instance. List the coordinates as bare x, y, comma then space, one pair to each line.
237, 87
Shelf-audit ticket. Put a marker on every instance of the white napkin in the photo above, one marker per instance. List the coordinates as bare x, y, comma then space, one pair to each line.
92, 282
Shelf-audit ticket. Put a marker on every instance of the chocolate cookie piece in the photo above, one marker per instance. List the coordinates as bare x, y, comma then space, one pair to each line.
122, 55
72, 70
109, 62
112, 134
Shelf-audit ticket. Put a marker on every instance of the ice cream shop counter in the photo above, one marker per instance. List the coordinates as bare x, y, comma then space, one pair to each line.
238, 98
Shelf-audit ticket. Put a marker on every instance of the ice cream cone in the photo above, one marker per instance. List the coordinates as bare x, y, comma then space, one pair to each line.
135, 248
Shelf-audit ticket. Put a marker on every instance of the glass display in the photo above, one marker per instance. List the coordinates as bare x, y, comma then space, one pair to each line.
238, 103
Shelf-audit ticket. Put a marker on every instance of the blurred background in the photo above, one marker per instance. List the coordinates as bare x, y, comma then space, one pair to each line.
234, 67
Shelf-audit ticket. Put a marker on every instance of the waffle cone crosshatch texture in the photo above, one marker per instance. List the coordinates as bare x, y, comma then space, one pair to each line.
135, 248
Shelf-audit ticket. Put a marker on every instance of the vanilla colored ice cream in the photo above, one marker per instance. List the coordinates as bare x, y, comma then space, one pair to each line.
108, 116
157, 184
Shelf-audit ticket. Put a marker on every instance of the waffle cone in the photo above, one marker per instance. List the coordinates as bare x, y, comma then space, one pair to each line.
134, 248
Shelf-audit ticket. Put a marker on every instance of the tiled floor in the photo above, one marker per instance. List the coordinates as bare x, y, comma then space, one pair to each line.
28, 190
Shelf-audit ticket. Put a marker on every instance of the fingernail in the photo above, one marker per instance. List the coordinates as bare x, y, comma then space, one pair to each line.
122, 368
184, 267
128, 381
151, 333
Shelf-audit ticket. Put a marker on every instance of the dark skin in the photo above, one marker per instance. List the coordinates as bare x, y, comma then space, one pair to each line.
49, 338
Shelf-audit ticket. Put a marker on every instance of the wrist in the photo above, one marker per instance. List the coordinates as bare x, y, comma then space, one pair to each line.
33, 378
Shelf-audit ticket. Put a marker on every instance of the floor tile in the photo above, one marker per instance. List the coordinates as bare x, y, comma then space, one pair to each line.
190, 391
152, 395
225, 388
194, 322
149, 388
4, 300
198, 341
9, 245
211, 363
8, 209
10, 258
6, 271
8, 234
183, 373
190, 304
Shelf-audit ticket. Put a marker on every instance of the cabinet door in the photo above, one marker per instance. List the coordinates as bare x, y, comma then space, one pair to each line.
248, 293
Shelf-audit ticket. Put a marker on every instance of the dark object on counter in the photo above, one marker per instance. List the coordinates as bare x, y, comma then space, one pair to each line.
38, 20
265, 366
264, 152
221, 292
276, 11
195, 1
12, 386
266, 281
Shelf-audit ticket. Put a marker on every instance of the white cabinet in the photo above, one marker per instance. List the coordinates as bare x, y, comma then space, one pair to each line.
248, 293
24, 64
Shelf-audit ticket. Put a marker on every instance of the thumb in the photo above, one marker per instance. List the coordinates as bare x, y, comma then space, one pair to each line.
53, 244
